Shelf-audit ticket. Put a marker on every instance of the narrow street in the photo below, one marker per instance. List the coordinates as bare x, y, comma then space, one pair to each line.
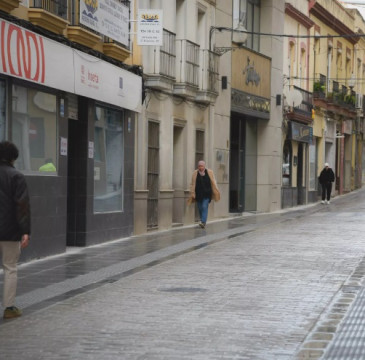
261, 286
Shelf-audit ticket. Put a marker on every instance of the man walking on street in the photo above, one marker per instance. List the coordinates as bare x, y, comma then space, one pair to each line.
14, 223
203, 189
326, 178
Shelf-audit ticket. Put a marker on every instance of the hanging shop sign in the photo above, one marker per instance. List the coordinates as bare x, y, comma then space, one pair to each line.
107, 17
150, 29
32, 57
300, 132
252, 73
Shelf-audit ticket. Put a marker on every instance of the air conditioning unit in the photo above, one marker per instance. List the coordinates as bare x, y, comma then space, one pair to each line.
359, 98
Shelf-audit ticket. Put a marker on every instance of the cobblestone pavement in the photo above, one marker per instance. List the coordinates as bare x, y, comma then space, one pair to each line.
280, 286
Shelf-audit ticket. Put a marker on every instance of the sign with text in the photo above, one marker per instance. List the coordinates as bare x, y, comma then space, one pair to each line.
107, 17
252, 72
58, 66
150, 30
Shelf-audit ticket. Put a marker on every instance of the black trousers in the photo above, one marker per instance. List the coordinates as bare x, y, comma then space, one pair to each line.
326, 190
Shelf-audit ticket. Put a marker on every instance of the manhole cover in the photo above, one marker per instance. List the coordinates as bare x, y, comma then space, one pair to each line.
184, 289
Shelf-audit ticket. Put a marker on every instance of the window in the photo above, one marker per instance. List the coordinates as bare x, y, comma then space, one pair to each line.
56, 7
153, 174
34, 129
2, 110
313, 165
286, 163
108, 160
247, 13
168, 54
199, 146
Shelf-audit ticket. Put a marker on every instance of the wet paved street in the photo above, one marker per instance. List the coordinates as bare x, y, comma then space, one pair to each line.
287, 285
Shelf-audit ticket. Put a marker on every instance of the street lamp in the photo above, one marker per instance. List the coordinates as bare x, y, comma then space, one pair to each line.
352, 81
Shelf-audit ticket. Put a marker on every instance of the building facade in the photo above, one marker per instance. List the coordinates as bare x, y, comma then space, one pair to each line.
68, 99
335, 66
264, 91
256, 107
185, 115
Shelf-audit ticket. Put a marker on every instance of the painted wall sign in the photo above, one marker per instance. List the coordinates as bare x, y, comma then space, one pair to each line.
252, 72
251, 75
299, 132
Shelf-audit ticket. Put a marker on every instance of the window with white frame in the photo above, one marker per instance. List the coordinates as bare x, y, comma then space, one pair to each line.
247, 14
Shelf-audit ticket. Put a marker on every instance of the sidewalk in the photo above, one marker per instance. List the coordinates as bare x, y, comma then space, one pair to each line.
46, 281
271, 286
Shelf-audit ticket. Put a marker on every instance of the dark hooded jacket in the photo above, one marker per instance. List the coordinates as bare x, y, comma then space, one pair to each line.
326, 176
14, 204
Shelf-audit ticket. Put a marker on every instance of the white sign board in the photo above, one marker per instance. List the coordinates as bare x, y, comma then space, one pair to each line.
58, 66
150, 31
63, 146
107, 17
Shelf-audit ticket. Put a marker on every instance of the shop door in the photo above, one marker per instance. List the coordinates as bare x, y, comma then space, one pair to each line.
301, 198
153, 174
237, 165
76, 183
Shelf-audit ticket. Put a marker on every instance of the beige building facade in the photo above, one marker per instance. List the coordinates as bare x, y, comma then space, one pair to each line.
185, 114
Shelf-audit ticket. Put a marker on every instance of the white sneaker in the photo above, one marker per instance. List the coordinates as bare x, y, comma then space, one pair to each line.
328, 202
322, 202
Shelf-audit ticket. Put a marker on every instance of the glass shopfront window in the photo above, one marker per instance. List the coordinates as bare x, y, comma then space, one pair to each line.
312, 165
108, 160
34, 129
286, 171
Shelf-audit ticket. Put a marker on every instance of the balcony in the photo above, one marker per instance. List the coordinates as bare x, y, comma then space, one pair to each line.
49, 14
187, 75
208, 85
9, 5
161, 74
319, 88
81, 35
115, 50
335, 97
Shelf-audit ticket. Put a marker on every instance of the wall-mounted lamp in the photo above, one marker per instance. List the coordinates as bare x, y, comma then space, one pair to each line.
278, 100
352, 81
224, 82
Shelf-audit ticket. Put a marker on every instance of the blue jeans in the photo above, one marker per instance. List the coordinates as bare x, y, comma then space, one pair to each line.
203, 209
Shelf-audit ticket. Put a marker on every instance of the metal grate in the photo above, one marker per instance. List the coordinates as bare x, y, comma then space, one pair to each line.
192, 63
168, 55
56, 7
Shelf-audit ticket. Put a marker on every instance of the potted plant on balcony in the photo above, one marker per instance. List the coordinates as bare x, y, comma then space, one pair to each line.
350, 100
318, 90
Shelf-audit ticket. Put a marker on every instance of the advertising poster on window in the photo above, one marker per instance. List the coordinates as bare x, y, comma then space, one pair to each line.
149, 27
108, 17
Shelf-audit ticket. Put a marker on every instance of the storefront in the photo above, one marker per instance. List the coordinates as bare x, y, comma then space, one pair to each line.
298, 162
250, 108
71, 114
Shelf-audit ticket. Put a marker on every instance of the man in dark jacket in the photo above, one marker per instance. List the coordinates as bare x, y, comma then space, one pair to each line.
326, 178
14, 223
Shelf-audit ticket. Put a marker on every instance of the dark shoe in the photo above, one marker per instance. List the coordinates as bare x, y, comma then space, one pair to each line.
12, 312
